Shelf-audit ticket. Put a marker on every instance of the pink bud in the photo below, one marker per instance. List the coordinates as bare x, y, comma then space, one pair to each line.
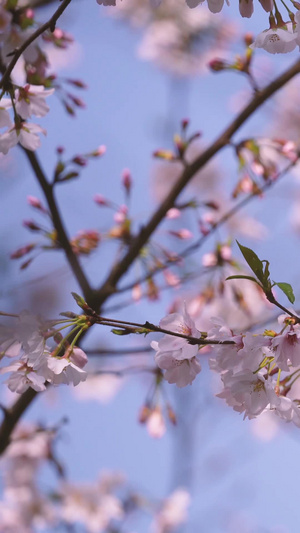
79, 160
184, 123
35, 202
100, 200
226, 253
217, 65
137, 292
29, 13
126, 179
31, 225
171, 278
121, 215
77, 83
20, 252
101, 150
78, 357
155, 424
173, 213
77, 101
209, 260
58, 33
183, 234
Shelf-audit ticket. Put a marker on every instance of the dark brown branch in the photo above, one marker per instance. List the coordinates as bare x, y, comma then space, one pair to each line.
109, 286
49, 25
12, 416
120, 352
59, 227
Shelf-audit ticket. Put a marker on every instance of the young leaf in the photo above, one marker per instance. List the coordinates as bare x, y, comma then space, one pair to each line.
79, 300
253, 261
121, 332
288, 291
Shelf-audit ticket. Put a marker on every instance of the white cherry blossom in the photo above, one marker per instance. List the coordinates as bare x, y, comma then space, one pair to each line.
65, 371
30, 100
22, 377
25, 133
277, 40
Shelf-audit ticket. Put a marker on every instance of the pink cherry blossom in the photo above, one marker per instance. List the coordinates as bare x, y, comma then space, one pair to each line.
249, 393
179, 347
286, 348
182, 372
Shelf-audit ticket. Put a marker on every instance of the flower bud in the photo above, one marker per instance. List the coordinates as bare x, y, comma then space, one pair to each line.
126, 180
248, 39
217, 65
78, 357
31, 225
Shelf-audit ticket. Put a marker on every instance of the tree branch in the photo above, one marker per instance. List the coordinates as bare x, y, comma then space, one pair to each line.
12, 416
59, 227
109, 285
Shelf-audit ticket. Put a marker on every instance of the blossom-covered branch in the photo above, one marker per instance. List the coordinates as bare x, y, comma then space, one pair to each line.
49, 25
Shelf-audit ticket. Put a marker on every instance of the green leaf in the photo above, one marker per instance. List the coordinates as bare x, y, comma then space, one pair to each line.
238, 276
253, 261
288, 290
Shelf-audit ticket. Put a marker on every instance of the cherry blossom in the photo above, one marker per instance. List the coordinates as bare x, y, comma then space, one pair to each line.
91, 506
249, 393
182, 372
65, 371
177, 346
173, 512
24, 133
286, 348
30, 100
22, 377
277, 40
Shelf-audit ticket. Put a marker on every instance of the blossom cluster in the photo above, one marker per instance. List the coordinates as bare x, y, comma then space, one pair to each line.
34, 363
97, 506
257, 370
175, 355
